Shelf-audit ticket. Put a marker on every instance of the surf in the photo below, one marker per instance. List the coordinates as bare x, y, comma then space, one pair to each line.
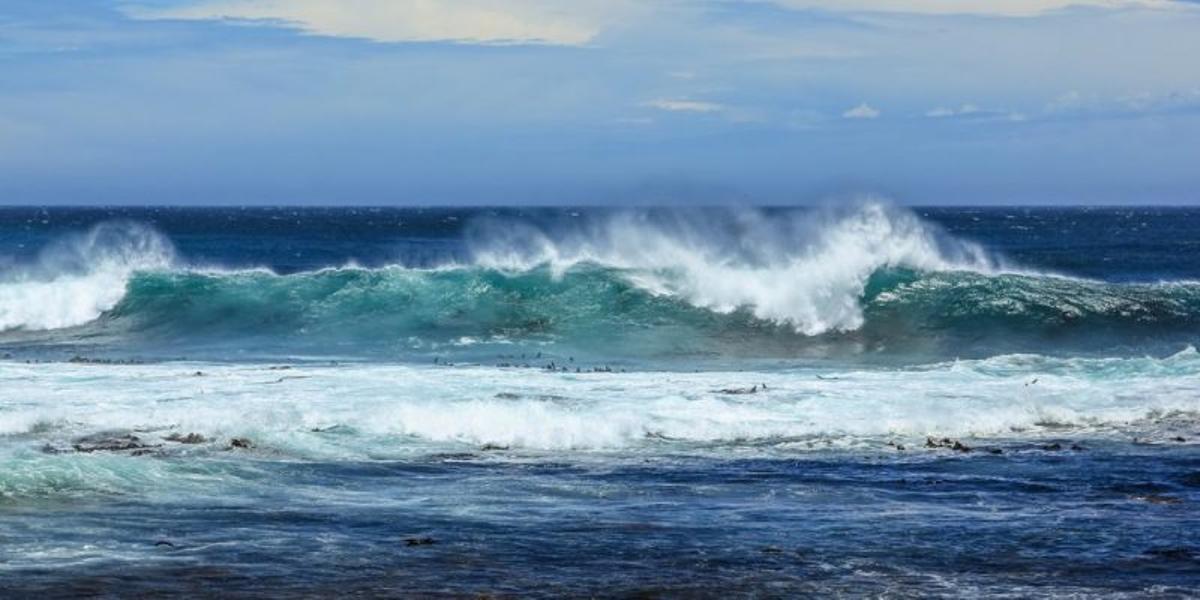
732, 282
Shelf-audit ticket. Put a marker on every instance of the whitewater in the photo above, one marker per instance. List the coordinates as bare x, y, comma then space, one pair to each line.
776, 401
871, 276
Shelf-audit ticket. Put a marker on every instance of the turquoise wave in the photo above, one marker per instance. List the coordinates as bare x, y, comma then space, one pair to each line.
611, 311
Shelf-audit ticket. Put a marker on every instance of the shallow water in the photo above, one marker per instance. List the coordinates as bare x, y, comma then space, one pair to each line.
399, 429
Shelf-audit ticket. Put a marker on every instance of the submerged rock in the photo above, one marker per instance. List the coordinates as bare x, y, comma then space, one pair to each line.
102, 442
947, 443
85, 360
739, 391
191, 438
239, 442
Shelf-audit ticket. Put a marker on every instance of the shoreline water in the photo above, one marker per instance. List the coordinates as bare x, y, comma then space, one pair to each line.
1093, 510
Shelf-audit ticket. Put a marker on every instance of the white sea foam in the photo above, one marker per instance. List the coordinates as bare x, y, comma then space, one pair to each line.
383, 410
79, 277
806, 269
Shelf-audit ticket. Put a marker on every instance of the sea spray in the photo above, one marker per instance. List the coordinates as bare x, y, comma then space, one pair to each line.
870, 279
78, 277
803, 269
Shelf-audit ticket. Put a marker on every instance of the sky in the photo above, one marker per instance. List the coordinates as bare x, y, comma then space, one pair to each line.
598, 102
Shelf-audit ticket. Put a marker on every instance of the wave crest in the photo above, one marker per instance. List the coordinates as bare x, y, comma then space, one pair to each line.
80, 276
808, 270
652, 283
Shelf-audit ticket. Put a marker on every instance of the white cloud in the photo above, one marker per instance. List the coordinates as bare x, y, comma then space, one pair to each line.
975, 113
1144, 102
1068, 101
684, 105
862, 111
942, 111
1008, 8
470, 21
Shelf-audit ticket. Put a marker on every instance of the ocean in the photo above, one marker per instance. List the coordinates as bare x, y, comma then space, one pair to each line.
855, 400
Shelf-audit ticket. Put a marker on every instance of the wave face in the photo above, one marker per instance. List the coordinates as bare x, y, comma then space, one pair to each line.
807, 271
634, 283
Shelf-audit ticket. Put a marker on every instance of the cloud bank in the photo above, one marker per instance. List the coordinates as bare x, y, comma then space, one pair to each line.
468, 21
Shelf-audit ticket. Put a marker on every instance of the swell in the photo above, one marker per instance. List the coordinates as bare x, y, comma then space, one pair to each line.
732, 283
602, 307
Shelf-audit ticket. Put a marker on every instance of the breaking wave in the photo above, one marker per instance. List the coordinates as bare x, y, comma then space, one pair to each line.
79, 277
697, 279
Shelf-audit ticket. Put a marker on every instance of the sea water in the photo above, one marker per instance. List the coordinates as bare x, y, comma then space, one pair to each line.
861, 399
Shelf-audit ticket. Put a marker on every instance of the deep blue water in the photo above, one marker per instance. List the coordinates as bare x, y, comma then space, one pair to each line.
600, 402
1110, 243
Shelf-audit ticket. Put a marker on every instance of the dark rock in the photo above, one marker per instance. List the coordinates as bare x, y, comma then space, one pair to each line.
110, 443
331, 429
454, 456
101, 361
419, 541
1178, 438
191, 438
995, 451
244, 443
492, 447
948, 443
1055, 447
1077, 448
736, 391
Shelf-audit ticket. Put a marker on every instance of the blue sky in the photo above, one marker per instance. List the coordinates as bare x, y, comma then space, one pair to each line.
599, 101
